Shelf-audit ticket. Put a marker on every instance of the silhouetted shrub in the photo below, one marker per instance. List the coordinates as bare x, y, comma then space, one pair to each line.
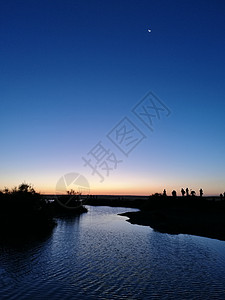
23, 209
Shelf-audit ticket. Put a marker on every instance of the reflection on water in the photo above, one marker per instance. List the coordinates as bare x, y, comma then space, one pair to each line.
99, 255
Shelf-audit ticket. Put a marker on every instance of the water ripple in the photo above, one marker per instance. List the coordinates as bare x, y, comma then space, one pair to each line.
101, 256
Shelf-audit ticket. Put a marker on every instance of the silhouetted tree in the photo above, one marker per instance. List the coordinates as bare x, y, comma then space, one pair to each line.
71, 192
25, 188
14, 190
24, 211
6, 190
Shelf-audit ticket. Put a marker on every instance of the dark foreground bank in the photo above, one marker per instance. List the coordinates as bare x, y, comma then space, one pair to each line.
25, 214
188, 215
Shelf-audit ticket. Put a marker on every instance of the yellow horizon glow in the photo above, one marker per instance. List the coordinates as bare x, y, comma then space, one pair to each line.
128, 188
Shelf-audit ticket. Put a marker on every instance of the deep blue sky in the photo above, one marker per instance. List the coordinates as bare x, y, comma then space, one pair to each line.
71, 70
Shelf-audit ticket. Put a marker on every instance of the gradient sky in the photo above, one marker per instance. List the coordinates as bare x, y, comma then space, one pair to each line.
70, 71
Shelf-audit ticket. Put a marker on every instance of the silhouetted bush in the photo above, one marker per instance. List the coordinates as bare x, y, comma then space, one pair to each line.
22, 209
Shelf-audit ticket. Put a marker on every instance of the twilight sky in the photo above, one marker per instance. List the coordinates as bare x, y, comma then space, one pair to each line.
75, 78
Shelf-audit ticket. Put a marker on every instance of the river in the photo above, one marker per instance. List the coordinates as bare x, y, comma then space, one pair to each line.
99, 255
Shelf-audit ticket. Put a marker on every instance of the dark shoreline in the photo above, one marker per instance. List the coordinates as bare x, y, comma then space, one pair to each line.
193, 224
194, 216
200, 216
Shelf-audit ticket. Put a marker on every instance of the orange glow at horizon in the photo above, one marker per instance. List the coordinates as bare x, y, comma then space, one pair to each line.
130, 187
141, 191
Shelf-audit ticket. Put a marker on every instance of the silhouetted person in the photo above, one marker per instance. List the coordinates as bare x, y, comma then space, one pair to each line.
193, 193
182, 192
164, 193
221, 196
201, 192
174, 194
187, 192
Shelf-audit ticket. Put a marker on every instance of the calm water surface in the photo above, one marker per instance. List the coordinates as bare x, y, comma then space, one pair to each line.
99, 255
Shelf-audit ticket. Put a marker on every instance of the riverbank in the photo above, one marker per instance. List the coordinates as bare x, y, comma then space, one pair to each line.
202, 216
117, 201
195, 216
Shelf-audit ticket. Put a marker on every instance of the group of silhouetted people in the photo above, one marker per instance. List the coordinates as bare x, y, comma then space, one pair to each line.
193, 193
186, 191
